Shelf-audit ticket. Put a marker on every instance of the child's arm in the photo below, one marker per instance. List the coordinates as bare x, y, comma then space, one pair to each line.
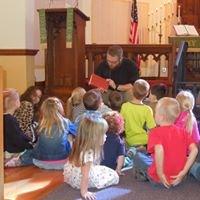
159, 158
85, 169
120, 163
190, 160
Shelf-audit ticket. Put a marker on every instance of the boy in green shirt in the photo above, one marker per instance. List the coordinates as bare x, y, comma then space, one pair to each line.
138, 117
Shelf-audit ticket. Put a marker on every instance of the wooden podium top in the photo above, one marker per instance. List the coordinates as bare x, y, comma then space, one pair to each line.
193, 41
77, 11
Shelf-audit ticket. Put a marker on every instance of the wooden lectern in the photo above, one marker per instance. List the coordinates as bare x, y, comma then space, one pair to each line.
64, 67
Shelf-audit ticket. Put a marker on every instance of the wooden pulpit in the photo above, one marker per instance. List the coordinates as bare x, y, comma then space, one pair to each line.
64, 67
192, 64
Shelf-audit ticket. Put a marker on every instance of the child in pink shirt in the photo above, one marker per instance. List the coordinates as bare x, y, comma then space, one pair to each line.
186, 119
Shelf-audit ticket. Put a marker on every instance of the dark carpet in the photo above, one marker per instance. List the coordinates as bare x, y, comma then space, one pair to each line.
130, 189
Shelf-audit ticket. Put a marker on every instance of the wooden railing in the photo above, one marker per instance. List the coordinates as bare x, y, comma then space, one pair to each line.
95, 53
1, 136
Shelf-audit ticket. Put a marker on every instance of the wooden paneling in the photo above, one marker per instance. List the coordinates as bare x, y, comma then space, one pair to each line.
18, 52
190, 12
1, 136
96, 53
64, 67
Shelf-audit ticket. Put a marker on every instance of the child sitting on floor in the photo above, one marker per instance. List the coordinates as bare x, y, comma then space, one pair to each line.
28, 112
115, 100
53, 145
138, 117
15, 141
82, 169
114, 147
157, 92
94, 105
186, 119
75, 105
169, 146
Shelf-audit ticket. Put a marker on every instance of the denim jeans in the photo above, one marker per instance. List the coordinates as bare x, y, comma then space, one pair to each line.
195, 170
142, 161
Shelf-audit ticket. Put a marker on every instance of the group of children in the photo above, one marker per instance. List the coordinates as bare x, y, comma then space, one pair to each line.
161, 137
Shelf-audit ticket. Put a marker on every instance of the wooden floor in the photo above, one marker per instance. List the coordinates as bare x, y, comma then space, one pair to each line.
27, 183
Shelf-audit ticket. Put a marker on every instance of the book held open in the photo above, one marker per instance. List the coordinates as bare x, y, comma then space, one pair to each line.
99, 82
189, 30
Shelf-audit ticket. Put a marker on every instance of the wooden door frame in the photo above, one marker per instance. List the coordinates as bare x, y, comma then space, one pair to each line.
1, 137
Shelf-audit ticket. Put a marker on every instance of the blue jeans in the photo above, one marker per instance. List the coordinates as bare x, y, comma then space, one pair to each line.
142, 161
195, 170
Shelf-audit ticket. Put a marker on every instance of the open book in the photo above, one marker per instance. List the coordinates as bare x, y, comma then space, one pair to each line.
99, 82
189, 30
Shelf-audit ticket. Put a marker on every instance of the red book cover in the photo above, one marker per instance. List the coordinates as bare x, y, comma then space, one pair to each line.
98, 81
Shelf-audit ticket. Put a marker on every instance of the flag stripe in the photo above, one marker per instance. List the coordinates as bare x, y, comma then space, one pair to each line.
134, 35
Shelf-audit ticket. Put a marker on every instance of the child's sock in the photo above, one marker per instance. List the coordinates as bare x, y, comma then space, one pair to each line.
14, 162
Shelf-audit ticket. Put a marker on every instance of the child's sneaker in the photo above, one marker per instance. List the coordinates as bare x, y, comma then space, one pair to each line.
140, 175
131, 152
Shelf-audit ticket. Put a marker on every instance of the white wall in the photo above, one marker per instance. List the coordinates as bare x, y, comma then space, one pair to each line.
17, 20
12, 20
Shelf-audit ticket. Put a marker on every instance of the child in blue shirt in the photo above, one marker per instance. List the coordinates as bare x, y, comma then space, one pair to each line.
114, 147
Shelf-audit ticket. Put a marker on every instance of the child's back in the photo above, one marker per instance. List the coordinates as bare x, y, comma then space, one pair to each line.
56, 145
172, 150
175, 142
82, 169
15, 140
114, 147
75, 105
92, 101
138, 117
186, 119
53, 142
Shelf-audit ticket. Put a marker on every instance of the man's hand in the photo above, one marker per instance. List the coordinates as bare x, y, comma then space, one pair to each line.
111, 83
178, 178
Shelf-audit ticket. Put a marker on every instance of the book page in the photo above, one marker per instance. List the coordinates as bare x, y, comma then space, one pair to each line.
191, 30
180, 30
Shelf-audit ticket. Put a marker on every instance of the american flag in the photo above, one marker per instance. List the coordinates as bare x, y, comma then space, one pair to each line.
133, 38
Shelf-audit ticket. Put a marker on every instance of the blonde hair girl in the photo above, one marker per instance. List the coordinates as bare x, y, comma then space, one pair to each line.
52, 113
75, 105
82, 171
186, 118
53, 142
